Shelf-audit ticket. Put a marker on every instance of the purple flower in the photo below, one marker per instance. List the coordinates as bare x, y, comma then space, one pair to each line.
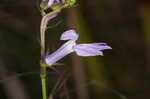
50, 2
90, 49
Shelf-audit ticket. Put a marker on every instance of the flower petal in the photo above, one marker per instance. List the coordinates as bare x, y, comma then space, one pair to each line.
64, 50
50, 2
69, 35
92, 49
97, 46
86, 51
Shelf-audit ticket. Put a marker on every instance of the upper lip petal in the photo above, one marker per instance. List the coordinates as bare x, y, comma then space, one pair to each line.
69, 35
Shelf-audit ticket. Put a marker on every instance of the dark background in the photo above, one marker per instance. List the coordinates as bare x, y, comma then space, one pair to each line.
122, 73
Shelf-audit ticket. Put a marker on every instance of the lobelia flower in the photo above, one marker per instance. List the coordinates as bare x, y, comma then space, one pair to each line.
50, 2
90, 49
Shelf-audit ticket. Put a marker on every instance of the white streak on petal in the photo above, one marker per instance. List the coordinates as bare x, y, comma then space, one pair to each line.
50, 2
102, 46
64, 50
69, 35
96, 46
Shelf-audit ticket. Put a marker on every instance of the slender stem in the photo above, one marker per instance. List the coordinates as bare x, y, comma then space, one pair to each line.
43, 27
43, 81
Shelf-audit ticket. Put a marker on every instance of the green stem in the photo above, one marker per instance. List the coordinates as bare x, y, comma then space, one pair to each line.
43, 81
43, 27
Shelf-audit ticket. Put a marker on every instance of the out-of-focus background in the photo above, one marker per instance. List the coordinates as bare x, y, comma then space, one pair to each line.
122, 73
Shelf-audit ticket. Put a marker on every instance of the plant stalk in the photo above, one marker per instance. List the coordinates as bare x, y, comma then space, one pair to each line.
43, 81
43, 28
